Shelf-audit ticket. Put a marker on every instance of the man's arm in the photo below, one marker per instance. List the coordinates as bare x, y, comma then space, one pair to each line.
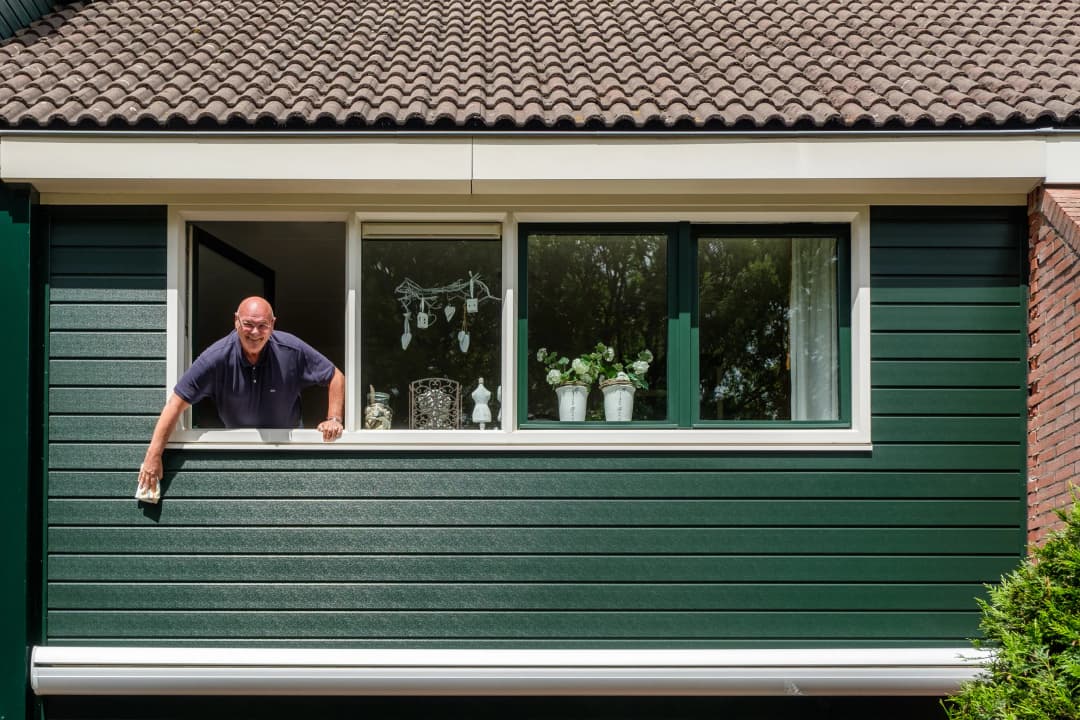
151, 470
332, 427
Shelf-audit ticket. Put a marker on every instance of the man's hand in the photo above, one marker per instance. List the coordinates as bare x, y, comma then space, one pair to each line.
150, 473
331, 429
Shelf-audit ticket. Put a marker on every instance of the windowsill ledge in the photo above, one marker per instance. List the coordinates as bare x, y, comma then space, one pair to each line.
623, 439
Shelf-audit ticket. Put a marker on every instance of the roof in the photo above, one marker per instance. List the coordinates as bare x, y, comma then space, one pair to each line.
546, 64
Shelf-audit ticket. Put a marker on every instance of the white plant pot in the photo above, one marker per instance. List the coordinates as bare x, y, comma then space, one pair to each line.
618, 400
572, 402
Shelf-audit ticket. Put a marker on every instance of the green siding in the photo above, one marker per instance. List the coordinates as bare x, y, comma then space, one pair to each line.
368, 549
17, 538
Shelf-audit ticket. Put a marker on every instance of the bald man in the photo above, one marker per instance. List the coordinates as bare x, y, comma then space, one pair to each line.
254, 375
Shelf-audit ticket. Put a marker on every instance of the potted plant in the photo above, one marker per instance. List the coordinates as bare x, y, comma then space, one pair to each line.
619, 380
571, 380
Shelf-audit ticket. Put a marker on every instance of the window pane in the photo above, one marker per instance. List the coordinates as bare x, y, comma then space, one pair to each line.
608, 288
768, 334
431, 318
297, 266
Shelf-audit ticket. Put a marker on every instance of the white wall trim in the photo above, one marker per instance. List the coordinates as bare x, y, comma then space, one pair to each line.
236, 671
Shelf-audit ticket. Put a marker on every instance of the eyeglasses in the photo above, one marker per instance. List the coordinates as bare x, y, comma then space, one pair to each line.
250, 326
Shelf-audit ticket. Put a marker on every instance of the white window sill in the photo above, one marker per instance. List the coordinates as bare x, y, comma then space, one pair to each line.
780, 440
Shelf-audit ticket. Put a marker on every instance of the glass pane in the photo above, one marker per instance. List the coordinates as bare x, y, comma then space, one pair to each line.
431, 318
585, 289
768, 332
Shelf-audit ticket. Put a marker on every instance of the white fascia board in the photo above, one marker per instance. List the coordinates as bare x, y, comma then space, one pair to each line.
1062, 161
529, 165
349, 165
236, 671
749, 166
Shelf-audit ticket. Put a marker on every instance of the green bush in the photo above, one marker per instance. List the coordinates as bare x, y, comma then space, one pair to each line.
1032, 623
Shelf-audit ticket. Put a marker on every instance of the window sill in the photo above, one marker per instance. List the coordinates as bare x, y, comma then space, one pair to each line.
623, 439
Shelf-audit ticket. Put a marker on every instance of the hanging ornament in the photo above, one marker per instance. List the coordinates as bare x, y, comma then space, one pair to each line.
406, 337
423, 319
449, 311
463, 334
472, 304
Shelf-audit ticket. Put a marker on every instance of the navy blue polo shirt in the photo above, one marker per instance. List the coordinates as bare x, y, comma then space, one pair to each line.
263, 395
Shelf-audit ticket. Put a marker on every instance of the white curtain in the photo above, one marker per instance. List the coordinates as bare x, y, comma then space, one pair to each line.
814, 351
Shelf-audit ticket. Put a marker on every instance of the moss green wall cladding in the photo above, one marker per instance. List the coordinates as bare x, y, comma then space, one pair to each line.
547, 550
19, 537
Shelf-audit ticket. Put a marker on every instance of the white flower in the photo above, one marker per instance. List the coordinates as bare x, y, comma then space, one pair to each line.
579, 366
640, 367
646, 356
609, 354
541, 354
554, 377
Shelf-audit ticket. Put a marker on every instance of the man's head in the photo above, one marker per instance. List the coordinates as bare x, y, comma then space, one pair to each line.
254, 321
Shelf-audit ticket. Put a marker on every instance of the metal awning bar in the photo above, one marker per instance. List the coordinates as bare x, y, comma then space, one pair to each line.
237, 671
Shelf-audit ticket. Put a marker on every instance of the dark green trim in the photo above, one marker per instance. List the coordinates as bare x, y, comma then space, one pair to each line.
15, 365
683, 337
684, 410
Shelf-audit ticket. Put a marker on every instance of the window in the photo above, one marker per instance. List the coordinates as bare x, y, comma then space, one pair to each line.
736, 330
431, 326
737, 324
294, 265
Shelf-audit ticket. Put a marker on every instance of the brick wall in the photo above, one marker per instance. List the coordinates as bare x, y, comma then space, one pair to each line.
1054, 356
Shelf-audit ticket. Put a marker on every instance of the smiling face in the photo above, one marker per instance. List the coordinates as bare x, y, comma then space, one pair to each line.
254, 322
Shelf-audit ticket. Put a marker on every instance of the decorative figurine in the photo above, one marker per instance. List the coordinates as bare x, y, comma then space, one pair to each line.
481, 414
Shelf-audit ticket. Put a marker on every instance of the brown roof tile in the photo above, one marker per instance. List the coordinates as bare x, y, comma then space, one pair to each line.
772, 64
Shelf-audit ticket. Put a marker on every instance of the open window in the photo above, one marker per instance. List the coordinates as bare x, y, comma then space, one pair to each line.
297, 266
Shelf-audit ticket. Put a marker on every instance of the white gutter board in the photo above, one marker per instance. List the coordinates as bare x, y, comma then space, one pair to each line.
234, 671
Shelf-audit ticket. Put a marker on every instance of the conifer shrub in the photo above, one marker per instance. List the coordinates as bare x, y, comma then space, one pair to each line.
1032, 625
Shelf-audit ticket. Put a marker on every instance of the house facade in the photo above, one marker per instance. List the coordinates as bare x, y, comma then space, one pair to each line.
841, 239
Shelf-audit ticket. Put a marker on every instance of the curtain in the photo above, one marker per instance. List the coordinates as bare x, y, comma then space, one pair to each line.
813, 330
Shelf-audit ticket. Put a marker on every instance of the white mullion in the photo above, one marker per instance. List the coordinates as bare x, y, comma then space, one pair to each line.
508, 405
354, 399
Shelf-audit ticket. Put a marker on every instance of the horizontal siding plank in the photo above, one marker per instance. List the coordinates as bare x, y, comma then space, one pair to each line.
108, 232
944, 373
918, 291
957, 318
93, 401
948, 346
515, 624
950, 401
732, 513
968, 234
929, 457
104, 428
114, 373
500, 596
107, 317
109, 284
107, 295
107, 260
101, 345
530, 568
944, 261
458, 483
949, 429
580, 541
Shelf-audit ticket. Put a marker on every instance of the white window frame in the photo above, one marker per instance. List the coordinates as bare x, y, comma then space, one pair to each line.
508, 437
